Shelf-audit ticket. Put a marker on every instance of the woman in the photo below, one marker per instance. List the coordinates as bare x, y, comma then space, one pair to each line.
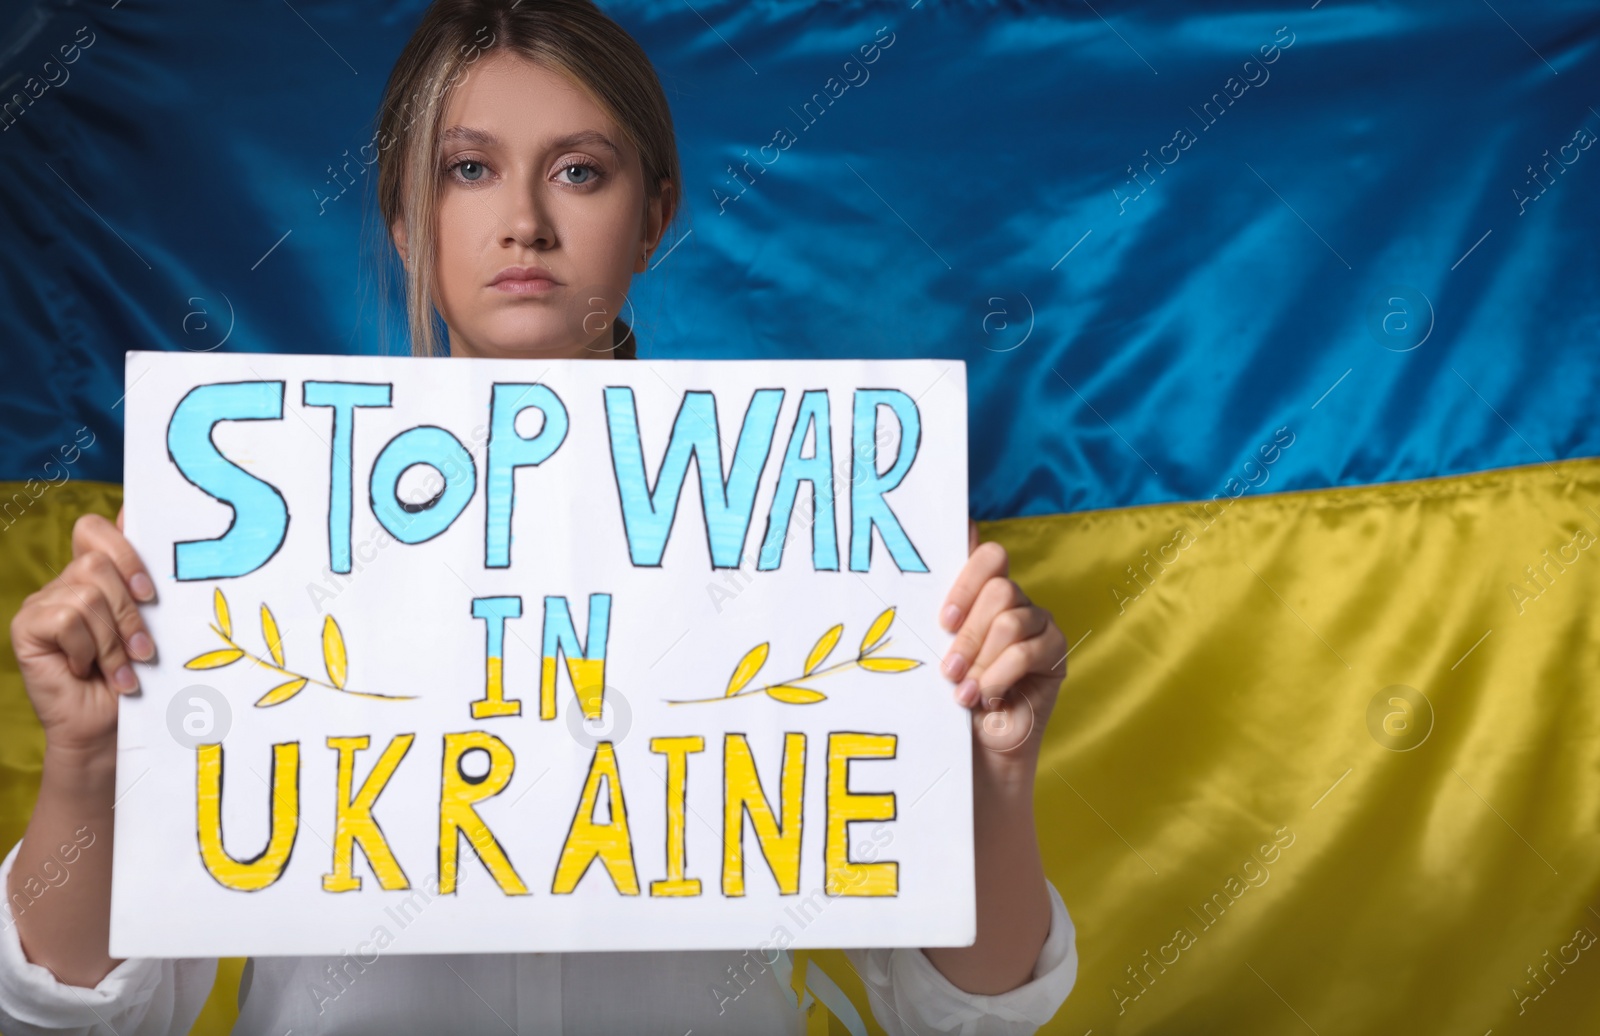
528, 170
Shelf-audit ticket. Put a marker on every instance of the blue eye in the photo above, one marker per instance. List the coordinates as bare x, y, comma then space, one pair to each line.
469, 162
593, 173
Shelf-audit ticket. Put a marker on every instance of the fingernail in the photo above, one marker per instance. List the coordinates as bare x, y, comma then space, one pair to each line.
967, 692
950, 616
955, 666
142, 587
141, 647
125, 679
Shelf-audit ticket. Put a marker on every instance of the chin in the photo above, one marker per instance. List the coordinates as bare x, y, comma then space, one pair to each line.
517, 339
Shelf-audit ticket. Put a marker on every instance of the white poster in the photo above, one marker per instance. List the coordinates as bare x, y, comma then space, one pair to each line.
468, 656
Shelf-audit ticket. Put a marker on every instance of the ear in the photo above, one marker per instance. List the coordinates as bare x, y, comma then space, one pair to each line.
657, 215
397, 232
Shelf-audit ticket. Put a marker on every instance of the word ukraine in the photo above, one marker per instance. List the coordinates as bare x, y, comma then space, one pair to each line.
588, 839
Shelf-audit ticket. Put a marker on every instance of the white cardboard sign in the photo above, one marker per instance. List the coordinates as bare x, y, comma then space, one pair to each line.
467, 656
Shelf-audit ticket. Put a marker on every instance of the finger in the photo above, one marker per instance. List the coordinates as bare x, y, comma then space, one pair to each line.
95, 532
111, 654
119, 519
1015, 662
1011, 626
972, 536
996, 595
986, 561
96, 568
56, 624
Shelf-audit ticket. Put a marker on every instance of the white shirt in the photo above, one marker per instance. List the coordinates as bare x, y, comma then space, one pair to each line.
663, 994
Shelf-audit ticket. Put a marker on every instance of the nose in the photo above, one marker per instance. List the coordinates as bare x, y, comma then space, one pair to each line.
529, 222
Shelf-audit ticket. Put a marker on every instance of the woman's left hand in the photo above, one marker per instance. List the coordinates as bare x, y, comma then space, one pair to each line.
1009, 657
1007, 663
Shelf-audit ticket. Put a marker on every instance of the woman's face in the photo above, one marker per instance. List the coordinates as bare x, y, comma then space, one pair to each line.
533, 174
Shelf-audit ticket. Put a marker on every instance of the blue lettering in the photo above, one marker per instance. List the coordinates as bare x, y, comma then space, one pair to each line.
260, 516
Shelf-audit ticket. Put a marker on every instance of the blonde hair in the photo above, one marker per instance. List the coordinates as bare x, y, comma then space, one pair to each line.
571, 37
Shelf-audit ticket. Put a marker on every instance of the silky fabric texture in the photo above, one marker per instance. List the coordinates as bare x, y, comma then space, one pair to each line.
199, 182
1247, 697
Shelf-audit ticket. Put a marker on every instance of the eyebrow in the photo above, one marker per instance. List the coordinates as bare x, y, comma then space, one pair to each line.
485, 139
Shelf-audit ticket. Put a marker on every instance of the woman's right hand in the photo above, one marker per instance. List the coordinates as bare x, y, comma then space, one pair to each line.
76, 638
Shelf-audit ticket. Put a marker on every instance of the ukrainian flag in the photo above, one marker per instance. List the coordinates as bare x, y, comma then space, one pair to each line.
1281, 331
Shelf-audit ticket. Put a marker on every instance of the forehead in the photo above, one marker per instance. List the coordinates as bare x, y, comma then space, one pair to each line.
524, 104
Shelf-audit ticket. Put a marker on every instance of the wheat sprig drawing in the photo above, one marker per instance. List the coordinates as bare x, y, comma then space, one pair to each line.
335, 660
790, 691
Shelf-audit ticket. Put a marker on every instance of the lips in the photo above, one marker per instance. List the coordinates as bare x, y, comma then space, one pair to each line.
526, 275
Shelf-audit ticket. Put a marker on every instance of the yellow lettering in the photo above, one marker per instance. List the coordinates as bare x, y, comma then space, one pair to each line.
779, 841
586, 660
458, 814
609, 841
843, 877
494, 703
677, 750
588, 677
494, 611
353, 823
283, 796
